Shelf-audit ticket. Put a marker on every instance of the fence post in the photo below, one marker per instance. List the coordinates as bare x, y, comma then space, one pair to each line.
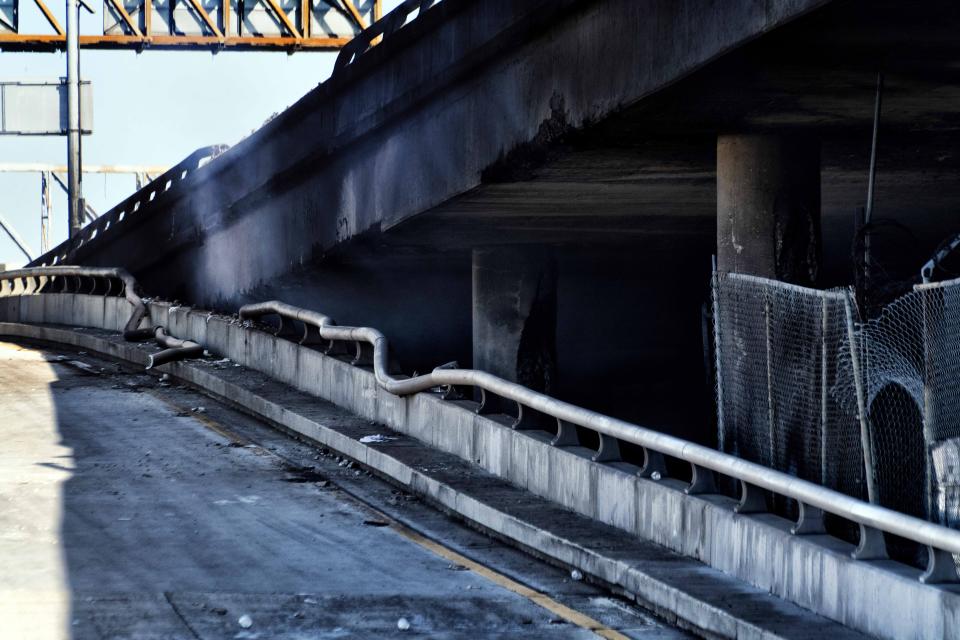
718, 372
823, 389
928, 432
861, 403
771, 410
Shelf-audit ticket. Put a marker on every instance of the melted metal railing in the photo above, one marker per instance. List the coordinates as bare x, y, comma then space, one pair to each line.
813, 500
70, 279
130, 207
100, 281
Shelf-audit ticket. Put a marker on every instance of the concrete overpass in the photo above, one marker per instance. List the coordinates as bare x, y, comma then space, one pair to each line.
537, 188
586, 128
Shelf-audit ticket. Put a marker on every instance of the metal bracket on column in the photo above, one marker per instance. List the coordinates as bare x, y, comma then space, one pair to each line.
701, 482
566, 435
609, 450
872, 545
653, 463
810, 521
752, 499
941, 568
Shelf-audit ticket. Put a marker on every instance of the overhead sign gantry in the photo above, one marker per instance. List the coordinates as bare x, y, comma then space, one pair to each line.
287, 25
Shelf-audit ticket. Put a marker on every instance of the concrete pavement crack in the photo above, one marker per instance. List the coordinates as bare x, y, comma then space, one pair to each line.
176, 610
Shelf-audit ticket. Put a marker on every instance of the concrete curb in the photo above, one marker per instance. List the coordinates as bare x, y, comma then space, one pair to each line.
656, 577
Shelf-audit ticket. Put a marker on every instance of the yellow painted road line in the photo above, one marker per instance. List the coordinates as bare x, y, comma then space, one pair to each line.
541, 599
570, 615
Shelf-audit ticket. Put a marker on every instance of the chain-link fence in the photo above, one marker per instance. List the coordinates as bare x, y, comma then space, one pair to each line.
909, 357
791, 391
796, 371
776, 348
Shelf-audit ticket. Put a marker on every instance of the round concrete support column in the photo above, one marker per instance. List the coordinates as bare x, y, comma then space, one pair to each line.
515, 314
768, 206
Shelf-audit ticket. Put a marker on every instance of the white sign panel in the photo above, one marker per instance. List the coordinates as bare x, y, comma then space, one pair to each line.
39, 107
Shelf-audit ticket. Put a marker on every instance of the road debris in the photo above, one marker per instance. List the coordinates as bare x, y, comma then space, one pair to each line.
376, 439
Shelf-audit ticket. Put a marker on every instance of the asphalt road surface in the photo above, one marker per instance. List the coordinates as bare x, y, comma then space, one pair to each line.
131, 507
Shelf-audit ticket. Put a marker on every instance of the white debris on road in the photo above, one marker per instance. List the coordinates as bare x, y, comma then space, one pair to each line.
376, 438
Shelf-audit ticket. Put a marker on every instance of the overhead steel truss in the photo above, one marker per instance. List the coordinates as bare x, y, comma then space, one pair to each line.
287, 25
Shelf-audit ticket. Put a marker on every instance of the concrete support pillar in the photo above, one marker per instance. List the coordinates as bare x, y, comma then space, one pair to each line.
515, 314
768, 206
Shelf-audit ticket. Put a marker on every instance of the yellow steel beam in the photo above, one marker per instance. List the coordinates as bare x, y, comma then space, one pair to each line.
118, 5
54, 42
285, 19
299, 34
52, 19
352, 10
305, 18
206, 18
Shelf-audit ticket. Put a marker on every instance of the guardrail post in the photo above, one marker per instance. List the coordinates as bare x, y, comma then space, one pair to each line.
752, 499
485, 407
872, 545
809, 522
566, 435
701, 482
609, 450
941, 568
526, 419
653, 463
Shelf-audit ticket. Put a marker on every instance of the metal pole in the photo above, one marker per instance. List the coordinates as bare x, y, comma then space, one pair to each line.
863, 417
44, 212
74, 168
17, 240
871, 182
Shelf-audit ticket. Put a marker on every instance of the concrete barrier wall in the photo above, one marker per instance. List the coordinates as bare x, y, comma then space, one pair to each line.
882, 598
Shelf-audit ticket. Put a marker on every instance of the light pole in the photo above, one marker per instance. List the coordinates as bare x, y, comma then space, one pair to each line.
74, 170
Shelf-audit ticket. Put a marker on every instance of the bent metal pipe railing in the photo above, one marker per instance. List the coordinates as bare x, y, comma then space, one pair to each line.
34, 280
814, 500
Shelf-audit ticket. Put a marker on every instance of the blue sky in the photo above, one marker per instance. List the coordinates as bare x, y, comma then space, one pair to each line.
149, 108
